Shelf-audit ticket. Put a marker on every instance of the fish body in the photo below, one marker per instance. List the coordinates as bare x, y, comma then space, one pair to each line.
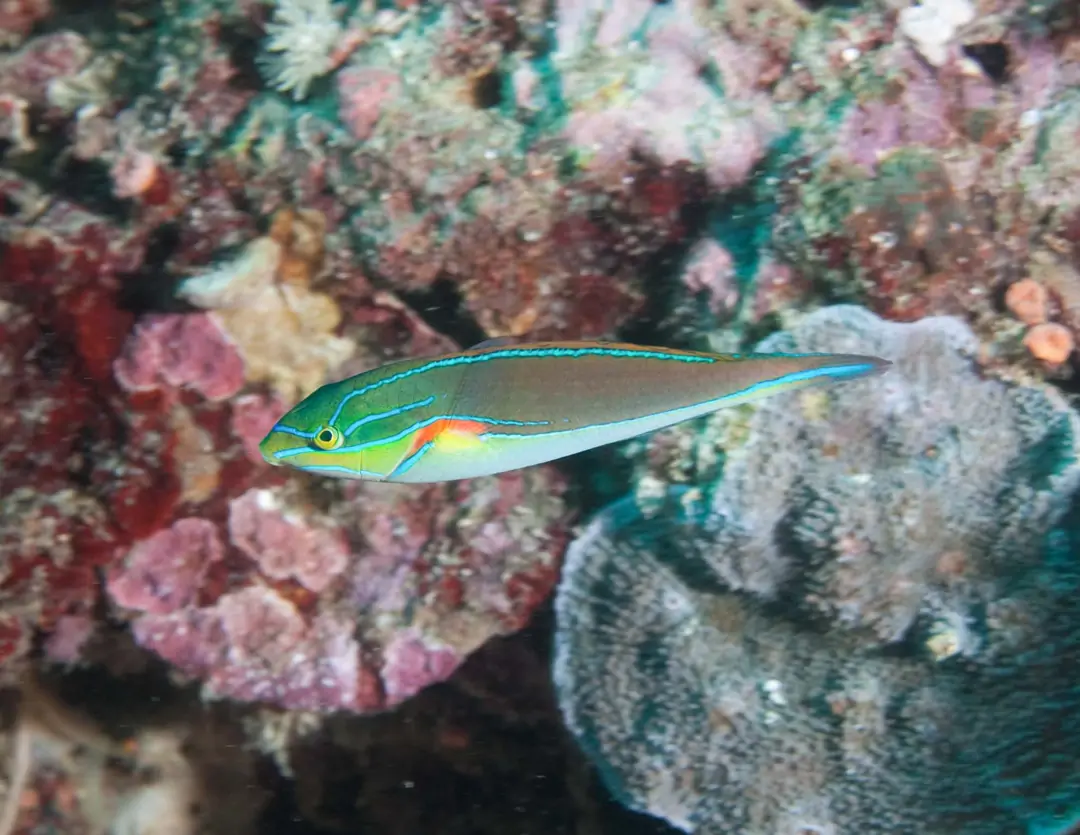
500, 407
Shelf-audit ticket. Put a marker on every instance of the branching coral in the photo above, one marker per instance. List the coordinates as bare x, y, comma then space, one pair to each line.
862, 627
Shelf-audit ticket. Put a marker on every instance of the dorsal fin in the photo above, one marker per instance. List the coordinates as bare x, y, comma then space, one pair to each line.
496, 342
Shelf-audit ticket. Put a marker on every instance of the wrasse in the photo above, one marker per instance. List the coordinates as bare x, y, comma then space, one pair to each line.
499, 407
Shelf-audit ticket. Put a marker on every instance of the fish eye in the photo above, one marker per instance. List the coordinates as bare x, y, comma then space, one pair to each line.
328, 437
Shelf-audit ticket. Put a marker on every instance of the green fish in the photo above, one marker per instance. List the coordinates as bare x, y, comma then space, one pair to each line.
499, 407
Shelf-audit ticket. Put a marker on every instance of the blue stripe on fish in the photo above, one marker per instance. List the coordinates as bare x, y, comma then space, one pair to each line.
419, 404
510, 353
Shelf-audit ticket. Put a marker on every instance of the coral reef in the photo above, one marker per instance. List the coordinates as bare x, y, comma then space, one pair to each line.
73, 465
944, 180
140, 459
357, 604
861, 626
284, 331
210, 208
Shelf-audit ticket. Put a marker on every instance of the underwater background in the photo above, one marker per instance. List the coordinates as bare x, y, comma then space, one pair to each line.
853, 610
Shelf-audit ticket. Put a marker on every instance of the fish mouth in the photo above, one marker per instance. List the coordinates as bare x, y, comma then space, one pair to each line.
269, 454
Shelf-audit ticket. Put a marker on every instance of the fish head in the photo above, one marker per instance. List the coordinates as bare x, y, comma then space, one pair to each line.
310, 437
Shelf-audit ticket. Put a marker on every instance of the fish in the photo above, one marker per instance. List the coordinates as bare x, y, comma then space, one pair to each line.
498, 406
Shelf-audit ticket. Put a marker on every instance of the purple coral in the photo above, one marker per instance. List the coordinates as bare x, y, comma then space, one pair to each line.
720, 652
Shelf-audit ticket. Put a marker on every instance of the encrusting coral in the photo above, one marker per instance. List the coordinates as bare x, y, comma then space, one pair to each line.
285, 332
862, 627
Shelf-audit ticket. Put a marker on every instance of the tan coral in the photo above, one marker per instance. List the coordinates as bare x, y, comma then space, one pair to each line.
284, 330
198, 466
1028, 301
1050, 342
302, 235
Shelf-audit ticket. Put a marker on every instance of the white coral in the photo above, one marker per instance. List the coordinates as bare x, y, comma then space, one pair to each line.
304, 36
932, 26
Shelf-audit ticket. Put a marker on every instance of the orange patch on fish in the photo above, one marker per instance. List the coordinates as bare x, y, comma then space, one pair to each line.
449, 434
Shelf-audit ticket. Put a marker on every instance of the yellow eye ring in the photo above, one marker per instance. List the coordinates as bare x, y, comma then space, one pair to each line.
327, 437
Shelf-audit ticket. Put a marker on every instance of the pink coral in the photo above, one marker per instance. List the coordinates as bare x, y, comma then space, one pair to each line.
181, 351
362, 92
919, 115
69, 636
869, 130
255, 645
412, 664
726, 136
711, 270
286, 545
728, 148
163, 574
252, 416
383, 593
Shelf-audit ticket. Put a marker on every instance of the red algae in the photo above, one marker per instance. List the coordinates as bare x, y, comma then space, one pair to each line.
165, 572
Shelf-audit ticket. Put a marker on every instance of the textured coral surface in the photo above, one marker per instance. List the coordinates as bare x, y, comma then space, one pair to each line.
862, 627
